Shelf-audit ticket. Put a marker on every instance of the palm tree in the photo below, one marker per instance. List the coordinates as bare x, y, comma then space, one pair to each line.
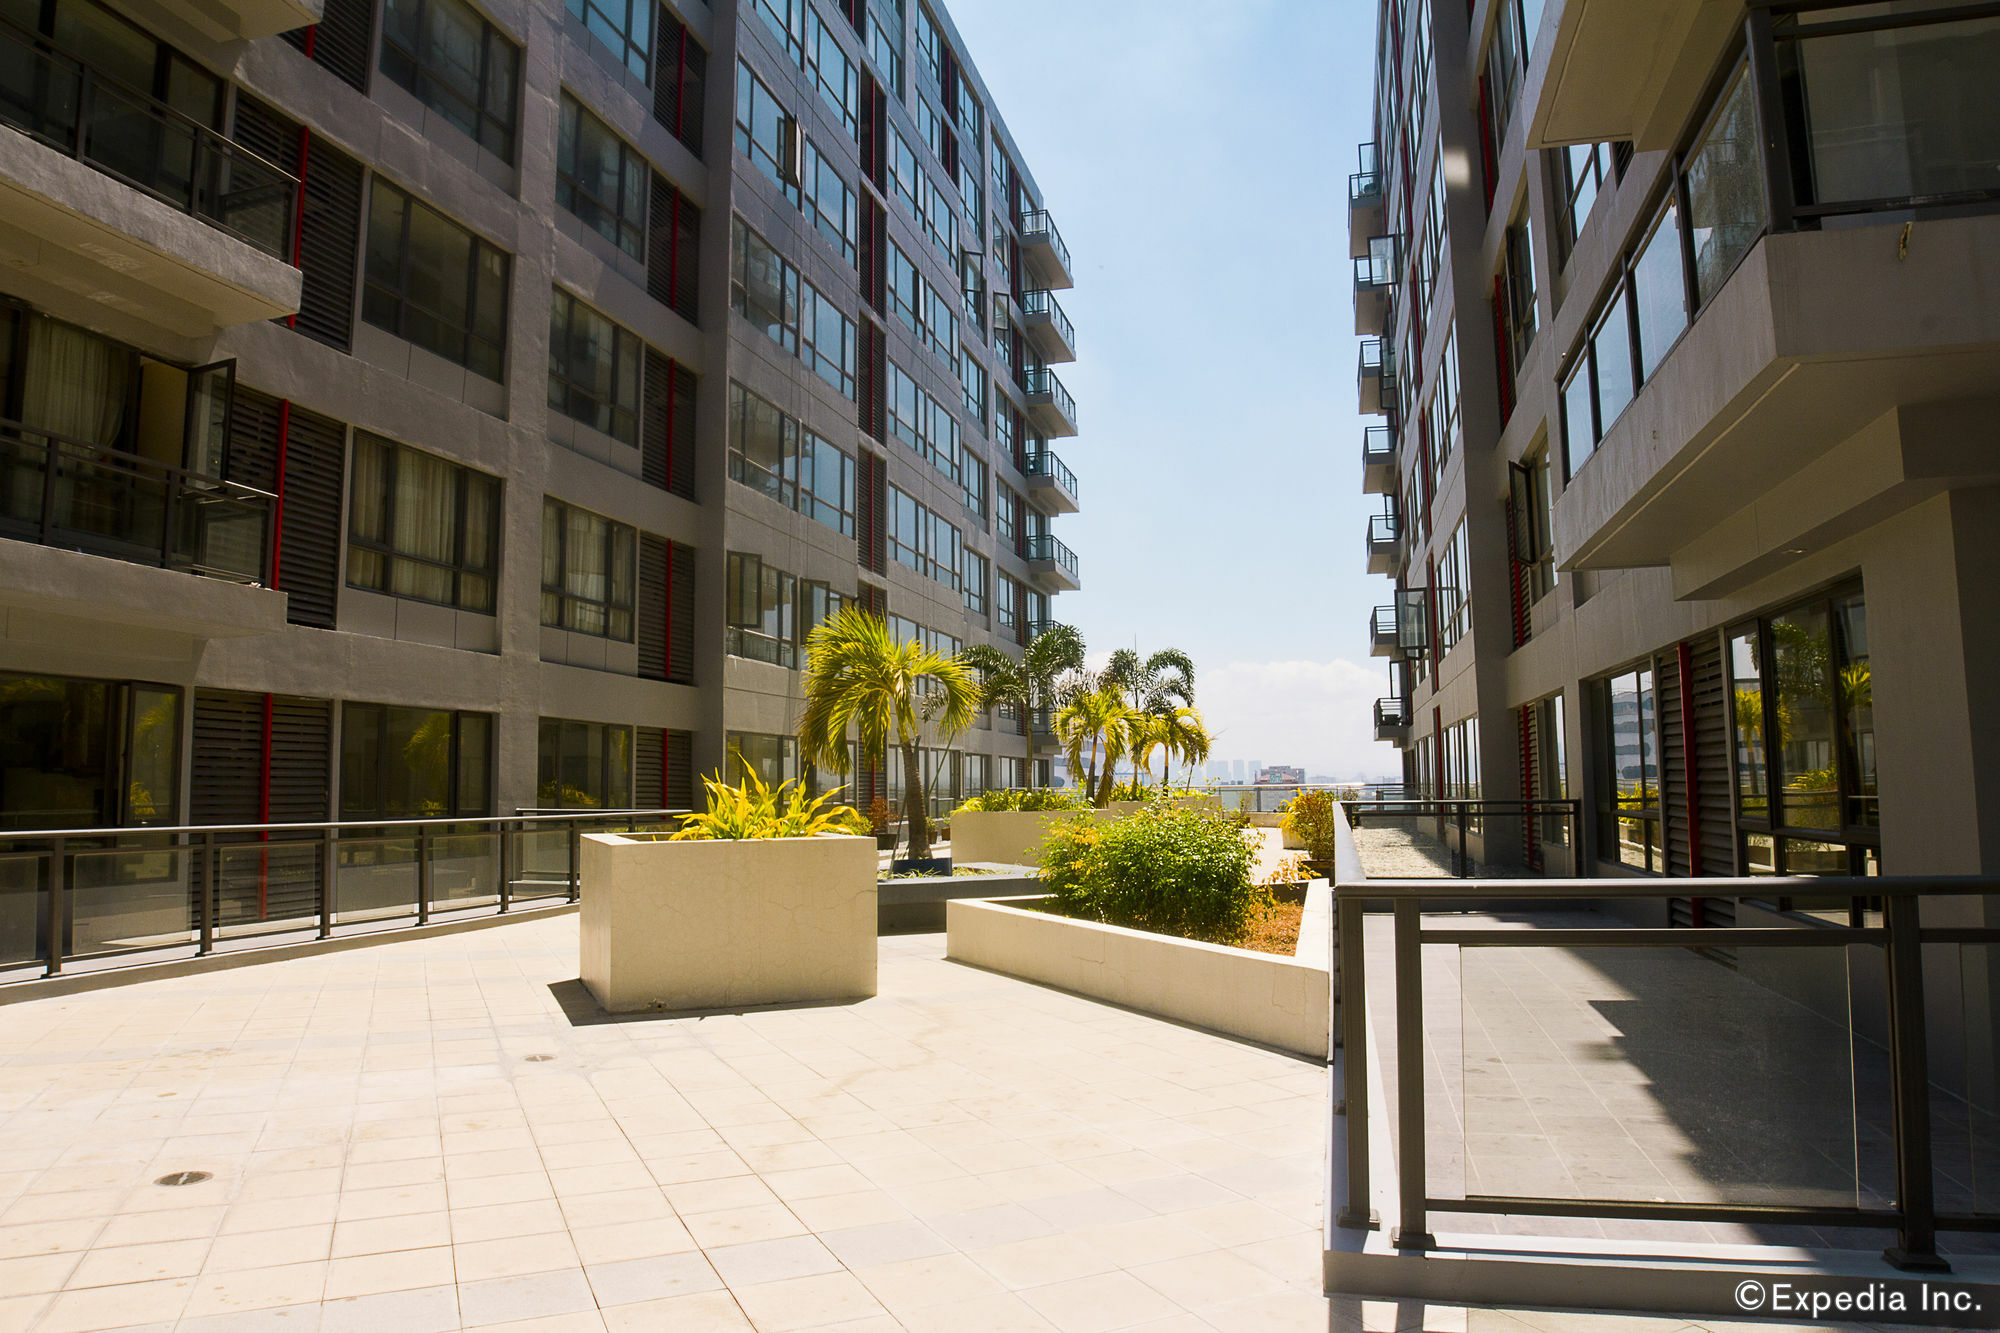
1156, 683
858, 676
1030, 685
1180, 733
1096, 720
1194, 745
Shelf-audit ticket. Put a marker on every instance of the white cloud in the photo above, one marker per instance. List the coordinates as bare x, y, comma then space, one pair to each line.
1318, 715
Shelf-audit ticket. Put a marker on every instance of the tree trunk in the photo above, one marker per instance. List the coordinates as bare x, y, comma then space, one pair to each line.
916, 810
1028, 734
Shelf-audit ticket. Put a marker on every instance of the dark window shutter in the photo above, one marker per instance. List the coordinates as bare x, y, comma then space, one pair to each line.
1673, 764
342, 41
666, 456
873, 132
673, 250
680, 614
329, 244
227, 758
1713, 783
309, 551
655, 602
857, 14
1530, 767
301, 759
273, 136
873, 498
679, 792
875, 600
874, 245
872, 393
649, 770
256, 434
680, 78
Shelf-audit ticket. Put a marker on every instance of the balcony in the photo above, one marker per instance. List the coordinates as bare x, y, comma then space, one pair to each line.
1385, 541
1050, 482
1049, 559
1399, 631
1633, 69
1376, 379
1364, 203
1383, 640
1375, 286
1379, 467
113, 194
242, 20
1048, 329
1035, 629
1051, 411
1043, 252
1392, 720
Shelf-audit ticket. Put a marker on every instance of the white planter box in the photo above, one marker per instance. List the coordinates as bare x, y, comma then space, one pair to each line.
1261, 997
714, 924
1014, 837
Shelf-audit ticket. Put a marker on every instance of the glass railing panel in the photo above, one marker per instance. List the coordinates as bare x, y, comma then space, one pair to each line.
129, 898
543, 863
465, 870
266, 887
376, 879
1651, 1074
21, 907
1966, 1107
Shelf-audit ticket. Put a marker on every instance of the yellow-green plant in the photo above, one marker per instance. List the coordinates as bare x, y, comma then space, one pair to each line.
754, 810
1311, 817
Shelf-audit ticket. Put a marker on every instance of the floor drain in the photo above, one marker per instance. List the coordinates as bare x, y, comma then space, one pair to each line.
537, 1059
183, 1178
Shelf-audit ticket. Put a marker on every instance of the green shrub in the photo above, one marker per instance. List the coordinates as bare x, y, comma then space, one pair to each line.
1310, 817
1172, 869
753, 810
1018, 798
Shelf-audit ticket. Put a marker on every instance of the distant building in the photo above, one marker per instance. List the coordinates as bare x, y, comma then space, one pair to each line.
1281, 775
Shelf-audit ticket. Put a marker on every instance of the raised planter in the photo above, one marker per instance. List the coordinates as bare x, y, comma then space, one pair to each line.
1014, 837
1260, 997
718, 924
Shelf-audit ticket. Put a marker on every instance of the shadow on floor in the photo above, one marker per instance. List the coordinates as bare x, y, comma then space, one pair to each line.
580, 1007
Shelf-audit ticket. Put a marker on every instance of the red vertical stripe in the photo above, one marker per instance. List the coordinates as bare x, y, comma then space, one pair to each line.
278, 509
312, 39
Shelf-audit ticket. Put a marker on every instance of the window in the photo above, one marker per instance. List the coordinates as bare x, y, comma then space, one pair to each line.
1629, 805
940, 328
1529, 518
82, 753
827, 201
624, 26
762, 602
601, 179
414, 763
583, 766
920, 421
771, 453
1507, 61
972, 376
1724, 179
975, 487
1007, 525
885, 42
763, 287
932, 51
1007, 593
766, 133
940, 223
1803, 726
434, 283
447, 56
1442, 414
593, 369
927, 313
772, 758
977, 571
920, 540
787, 18
1517, 282
827, 339
903, 172
421, 527
833, 73
1454, 600
1648, 304
1585, 168
587, 564
931, 128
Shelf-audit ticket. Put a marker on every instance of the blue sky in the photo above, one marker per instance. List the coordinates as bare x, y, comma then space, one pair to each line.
1195, 156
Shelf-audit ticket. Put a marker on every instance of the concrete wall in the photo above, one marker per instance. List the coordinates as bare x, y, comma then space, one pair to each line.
1265, 998
711, 924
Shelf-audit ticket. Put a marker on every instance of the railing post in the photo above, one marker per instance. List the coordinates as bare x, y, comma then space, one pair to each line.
1909, 1066
58, 899
329, 860
506, 868
575, 860
52, 459
423, 874
1414, 1233
1352, 1007
211, 883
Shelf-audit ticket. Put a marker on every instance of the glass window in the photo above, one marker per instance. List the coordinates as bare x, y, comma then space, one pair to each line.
583, 766
587, 572
787, 18
1631, 822
931, 46
1611, 355
975, 487
601, 179
833, 73
772, 758
763, 611
1725, 191
903, 172
1802, 662
624, 26
1746, 674
763, 287
766, 132
1857, 705
828, 202
885, 42
414, 763
827, 343
977, 572
62, 758
972, 376
1518, 281
771, 453
918, 539
1659, 292
593, 369
447, 56
923, 423
827, 484
1584, 171
434, 283
421, 527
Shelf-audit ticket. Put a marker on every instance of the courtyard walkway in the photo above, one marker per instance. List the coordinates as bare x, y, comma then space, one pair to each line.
445, 1133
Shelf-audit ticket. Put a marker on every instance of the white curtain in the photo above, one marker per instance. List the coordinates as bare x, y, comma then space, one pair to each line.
74, 382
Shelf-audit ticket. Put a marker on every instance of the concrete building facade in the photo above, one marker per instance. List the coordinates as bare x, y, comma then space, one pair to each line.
421, 407
1682, 335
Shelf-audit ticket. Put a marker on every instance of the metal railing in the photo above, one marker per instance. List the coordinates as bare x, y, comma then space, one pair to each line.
80, 895
1377, 268
1384, 530
1364, 187
1034, 629
59, 491
68, 104
1378, 446
1382, 625
1271, 797
1042, 302
1043, 462
1048, 548
1042, 382
1391, 712
1903, 1095
1447, 825
1378, 358
1038, 228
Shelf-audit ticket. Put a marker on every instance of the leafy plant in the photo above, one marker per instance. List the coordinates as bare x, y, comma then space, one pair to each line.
880, 815
1311, 817
1030, 685
1017, 798
754, 811
1095, 723
1172, 868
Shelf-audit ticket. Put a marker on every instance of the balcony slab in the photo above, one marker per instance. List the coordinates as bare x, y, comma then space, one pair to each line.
98, 596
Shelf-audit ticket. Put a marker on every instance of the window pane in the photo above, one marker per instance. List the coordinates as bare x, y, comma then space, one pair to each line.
1802, 654
1725, 185
1753, 792
1611, 350
1659, 292
1579, 430
1857, 702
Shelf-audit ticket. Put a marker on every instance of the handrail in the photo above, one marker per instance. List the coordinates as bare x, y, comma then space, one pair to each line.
1041, 301
1043, 462
1378, 356
1378, 445
366, 826
1036, 224
1382, 623
68, 118
1392, 711
1042, 381
1049, 548
1384, 529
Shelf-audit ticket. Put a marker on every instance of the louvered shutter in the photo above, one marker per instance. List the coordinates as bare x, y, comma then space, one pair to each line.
256, 431
276, 138
309, 553
872, 497
679, 792
655, 600
872, 391
874, 246
680, 79
1710, 687
649, 770
680, 614
301, 750
1531, 767
1673, 764
329, 244
667, 428
228, 758
673, 250
873, 131
342, 41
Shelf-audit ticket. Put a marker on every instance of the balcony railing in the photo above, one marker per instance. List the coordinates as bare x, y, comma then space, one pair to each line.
1035, 629
1044, 462
1039, 229
152, 894
1041, 304
59, 491
1383, 635
1385, 528
1377, 268
1364, 187
1047, 548
1378, 446
64, 102
1041, 383
1391, 715
1376, 376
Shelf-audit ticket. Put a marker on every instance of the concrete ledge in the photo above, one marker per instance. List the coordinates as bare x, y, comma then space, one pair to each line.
1265, 998
910, 906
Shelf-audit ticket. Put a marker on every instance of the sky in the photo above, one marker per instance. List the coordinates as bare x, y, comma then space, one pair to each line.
1195, 157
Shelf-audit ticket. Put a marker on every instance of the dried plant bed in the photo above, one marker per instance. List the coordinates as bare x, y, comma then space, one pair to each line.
1276, 931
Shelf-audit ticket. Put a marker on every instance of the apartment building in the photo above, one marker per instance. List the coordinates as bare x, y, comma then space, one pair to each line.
1682, 343
426, 407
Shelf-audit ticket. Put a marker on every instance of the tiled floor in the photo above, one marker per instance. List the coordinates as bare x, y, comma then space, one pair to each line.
445, 1133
